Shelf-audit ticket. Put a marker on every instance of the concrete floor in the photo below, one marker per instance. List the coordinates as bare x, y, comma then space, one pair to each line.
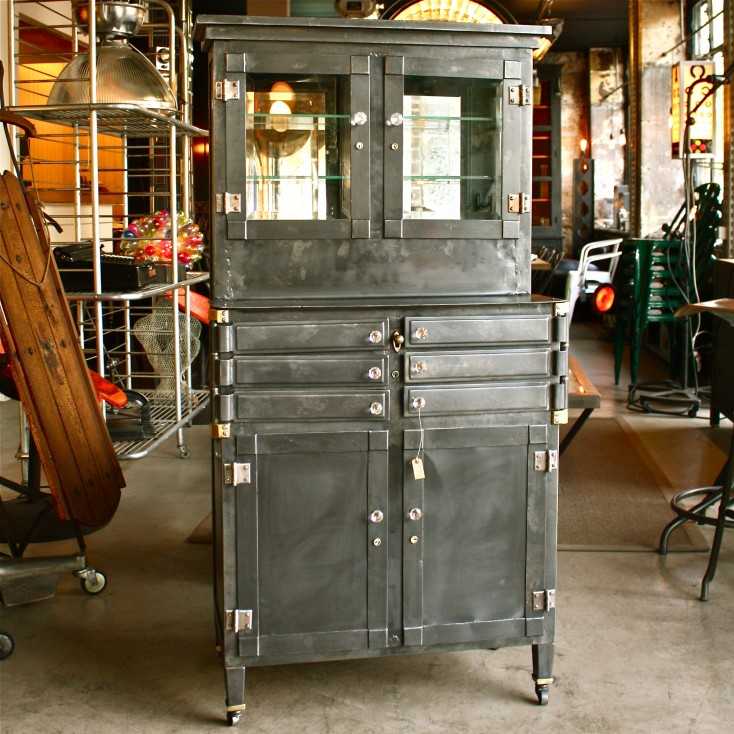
636, 650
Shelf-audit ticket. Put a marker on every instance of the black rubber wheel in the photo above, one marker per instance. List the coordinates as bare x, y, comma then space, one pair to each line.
233, 718
7, 645
542, 692
693, 412
94, 585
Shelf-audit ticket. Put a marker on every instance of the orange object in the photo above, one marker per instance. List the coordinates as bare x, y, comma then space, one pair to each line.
604, 298
199, 305
108, 391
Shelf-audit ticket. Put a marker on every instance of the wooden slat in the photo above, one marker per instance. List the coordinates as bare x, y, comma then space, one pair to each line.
50, 370
581, 390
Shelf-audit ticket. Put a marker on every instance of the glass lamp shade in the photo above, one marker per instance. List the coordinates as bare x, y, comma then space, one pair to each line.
124, 75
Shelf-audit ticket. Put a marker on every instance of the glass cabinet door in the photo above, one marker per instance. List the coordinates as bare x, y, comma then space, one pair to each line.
454, 150
298, 147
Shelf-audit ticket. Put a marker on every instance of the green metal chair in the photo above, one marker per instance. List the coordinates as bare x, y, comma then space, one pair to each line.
654, 278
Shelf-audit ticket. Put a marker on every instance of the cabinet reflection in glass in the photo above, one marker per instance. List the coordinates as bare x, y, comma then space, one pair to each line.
452, 148
297, 147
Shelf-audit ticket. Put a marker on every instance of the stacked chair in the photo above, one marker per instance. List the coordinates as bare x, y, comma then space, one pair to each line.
654, 278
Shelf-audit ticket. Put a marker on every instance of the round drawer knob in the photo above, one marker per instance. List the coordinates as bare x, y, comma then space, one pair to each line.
418, 403
418, 367
374, 373
421, 333
375, 337
415, 514
376, 408
377, 516
395, 120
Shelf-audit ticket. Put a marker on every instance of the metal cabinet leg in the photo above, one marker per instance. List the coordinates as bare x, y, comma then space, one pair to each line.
234, 682
543, 670
718, 535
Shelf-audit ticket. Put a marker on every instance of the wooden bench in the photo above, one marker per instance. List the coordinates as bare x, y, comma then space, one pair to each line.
581, 395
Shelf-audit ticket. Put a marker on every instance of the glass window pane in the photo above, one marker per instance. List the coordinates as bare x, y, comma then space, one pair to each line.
699, 20
298, 135
452, 148
717, 24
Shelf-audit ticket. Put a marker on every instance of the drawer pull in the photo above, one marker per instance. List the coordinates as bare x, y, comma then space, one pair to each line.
415, 514
359, 119
376, 408
395, 120
421, 333
374, 373
418, 403
418, 368
376, 517
375, 337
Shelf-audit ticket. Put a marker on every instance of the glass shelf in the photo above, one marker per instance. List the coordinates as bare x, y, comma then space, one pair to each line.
449, 178
297, 115
297, 178
446, 118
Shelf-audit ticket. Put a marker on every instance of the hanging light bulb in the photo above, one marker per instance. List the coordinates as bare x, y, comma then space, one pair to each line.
281, 93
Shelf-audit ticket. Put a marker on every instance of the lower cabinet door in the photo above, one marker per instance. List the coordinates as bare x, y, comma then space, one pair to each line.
474, 537
312, 543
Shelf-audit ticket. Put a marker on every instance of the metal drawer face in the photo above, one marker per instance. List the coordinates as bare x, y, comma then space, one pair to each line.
504, 329
310, 370
476, 399
428, 367
288, 405
296, 337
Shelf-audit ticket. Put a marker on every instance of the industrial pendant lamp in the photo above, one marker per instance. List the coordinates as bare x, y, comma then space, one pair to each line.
124, 75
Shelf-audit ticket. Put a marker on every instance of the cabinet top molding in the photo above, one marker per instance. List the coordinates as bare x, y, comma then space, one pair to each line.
246, 27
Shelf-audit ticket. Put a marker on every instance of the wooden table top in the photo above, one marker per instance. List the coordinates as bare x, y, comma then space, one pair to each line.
581, 391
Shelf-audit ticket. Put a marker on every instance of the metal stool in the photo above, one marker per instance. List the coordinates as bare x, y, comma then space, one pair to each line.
721, 492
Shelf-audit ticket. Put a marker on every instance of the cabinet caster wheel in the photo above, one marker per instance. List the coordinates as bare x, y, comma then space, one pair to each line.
7, 645
233, 718
542, 692
93, 583
183, 452
693, 412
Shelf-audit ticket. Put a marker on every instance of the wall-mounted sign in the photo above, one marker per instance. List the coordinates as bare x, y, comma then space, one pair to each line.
701, 133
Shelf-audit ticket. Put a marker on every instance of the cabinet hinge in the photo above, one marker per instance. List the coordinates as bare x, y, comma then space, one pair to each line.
221, 430
559, 417
218, 315
518, 203
227, 203
546, 460
520, 95
238, 620
236, 473
226, 89
544, 601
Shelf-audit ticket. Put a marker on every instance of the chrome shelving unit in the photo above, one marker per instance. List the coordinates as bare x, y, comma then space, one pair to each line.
97, 166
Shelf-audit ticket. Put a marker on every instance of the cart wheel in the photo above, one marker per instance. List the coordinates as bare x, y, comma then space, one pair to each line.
93, 583
542, 692
183, 452
693, 412
233, 717
7, 645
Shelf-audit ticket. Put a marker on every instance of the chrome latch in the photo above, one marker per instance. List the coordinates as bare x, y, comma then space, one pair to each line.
520, 95
237, 473
226, 89
546, 460
227, 203
544, 601
518, 203
238, 620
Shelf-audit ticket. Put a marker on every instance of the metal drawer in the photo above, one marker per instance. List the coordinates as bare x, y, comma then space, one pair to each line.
310, 370
476, 398
426, 367
288, 405
501, 329
298, 337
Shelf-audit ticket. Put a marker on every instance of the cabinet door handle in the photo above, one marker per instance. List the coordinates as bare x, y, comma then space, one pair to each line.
395, 120
377, 516
359, 119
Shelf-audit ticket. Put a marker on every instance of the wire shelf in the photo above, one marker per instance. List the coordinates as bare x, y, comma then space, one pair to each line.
163, 419
112, 119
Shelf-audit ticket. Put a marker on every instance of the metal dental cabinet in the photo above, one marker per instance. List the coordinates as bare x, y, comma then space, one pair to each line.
386, 393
